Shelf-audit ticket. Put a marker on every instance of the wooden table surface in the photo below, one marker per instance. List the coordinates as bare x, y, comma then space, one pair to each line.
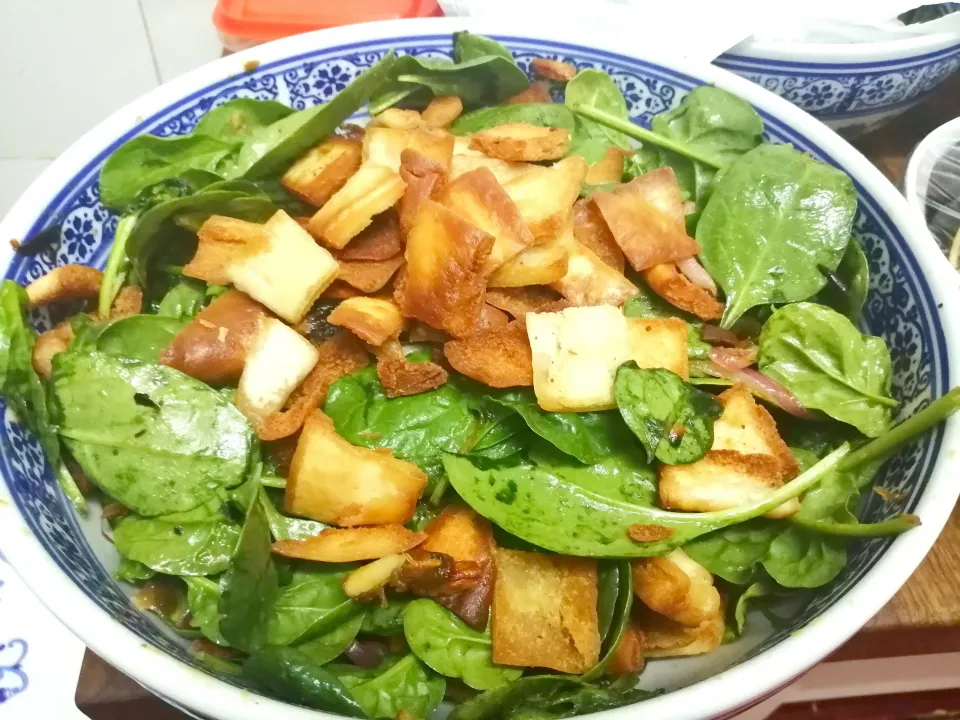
924, 617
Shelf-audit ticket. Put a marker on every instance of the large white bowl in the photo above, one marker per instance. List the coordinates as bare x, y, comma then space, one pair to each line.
67, 563
854, 87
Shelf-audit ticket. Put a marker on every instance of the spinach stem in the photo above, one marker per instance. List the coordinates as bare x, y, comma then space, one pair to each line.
273, 481
893, 526
69, 487
117, 264
640, 133
882, 447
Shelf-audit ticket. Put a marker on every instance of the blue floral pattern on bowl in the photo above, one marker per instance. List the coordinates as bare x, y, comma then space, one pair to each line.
900, 308
849, 96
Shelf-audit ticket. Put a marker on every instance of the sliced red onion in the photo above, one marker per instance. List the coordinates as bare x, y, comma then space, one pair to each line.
763, 386
696, 274
719, 336
367, 653
734, 359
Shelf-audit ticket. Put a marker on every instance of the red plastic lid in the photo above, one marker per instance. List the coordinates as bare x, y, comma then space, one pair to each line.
264, 20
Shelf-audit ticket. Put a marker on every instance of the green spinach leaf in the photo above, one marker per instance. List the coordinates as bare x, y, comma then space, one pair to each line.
752, 593
733, 553
589, 437
619, 616
184, 300
271, 149
467, 46
248, 588
399, 683
239, 119
191, 543
140, 337
312, 604
332, 644
287, 528
545, 697
293, 676
774, 216
673, 419
798, 558
385, 620
568, 513
147, 160
155, 439
539, 114
819, 355
451, 647
203, 596
595, 89
846, 289
130, 571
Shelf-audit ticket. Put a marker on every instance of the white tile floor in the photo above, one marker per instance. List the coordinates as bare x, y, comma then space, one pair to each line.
68, 64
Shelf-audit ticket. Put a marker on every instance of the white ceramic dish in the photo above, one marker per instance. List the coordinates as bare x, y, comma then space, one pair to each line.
67, 563
854, 87
931, 183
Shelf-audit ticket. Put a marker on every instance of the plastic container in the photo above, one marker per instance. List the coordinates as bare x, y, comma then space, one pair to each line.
932, 185
245, 23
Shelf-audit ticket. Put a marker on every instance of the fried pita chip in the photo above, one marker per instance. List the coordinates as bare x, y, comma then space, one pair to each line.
224, 241
67, 282
369, 275
424, 178
522, 142
336, 482
609, 169
592, 232
545, 611
660, 343
371, 190
373, 320
340, 355
401, 377
498, 358
421, 332
384, 146
323, 170
444, 283
663, 637
518, 301
442, 110
553, 69
674, 287
589, 280
647, 235
677, 587
490, 319
503, 171
129, 301
213, 347
336, 545
537, 265
479, 198
48, 344
380, 241
398, 119
538, 92
628, 657
545, 195
339, 290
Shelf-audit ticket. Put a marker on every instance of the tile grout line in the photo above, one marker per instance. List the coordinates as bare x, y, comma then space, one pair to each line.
153, 54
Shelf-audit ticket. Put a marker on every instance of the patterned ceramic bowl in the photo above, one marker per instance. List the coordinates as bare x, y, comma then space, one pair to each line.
68, 563
851, 87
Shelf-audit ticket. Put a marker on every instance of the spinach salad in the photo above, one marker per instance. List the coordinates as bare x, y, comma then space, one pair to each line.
494, 399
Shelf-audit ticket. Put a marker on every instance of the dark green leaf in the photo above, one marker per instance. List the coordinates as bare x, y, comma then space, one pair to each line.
272, 149
248, 588
151, 437
385, 620
467, 46
574, 511
589, 437
133, 572
192, 543
451, 647
619, 619
672, 419
293, 676
752, 592
774, 216
539, 114
799, 558
203, 596
141, 337
312, 604
734, 552
595, 89
184, 300
239, 119
846, 289
288, 528
147, 160
397, 684
333, 643
821, 357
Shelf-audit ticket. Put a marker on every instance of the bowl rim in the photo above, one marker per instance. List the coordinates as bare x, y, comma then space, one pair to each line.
731, 689
796, 52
